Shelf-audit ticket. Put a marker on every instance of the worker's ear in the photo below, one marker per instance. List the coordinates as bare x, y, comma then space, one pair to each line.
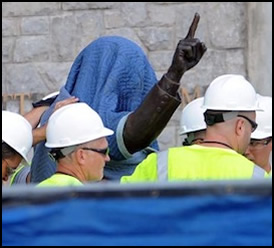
240, 127
80, 156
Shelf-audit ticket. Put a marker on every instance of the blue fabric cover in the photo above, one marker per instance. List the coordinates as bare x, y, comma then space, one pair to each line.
201, 220
113, 76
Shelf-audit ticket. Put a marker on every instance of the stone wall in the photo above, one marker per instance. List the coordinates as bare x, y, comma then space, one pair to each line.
259, 56
41, 40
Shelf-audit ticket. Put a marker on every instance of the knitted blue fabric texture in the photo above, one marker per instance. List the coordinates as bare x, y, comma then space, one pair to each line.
113, 76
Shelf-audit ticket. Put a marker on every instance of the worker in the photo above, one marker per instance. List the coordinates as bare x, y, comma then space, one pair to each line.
22, 173
192, 122
16, 142
230, 103
113, 76
77, 141
260, 148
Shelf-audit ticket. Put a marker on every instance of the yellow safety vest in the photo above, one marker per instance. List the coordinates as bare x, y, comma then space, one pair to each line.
194, 163
57, 180
20, 175
19, 168
268, 175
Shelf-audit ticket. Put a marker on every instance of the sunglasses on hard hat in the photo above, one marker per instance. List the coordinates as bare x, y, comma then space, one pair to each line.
253, 124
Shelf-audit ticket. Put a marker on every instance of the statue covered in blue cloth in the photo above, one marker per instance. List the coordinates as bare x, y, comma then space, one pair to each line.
114, 77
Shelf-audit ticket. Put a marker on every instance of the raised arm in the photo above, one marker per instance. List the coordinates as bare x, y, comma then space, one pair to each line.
147, 122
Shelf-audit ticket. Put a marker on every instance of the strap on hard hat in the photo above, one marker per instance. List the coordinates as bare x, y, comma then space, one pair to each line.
188, 141
212, 118
58, 153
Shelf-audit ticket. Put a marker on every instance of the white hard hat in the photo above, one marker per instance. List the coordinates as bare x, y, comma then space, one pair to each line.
74, 124
232, 93
263, 118
192, 118
17, 133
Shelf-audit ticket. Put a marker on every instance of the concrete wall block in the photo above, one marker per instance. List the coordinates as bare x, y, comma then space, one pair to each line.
167, 137
54, 75
4, 84
134, 13
161, 15
89, 26
23, 78
213, 64
156, 38
35, 25
88, 5
29, 9
114, 19
175, 119
227, 62
89, 22
232, 26
63, 39
259, 57
10, 27
7, 49
31, 49
161, 60
194, 83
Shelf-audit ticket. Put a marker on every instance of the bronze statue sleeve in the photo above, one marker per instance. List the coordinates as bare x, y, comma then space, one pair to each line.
146, 123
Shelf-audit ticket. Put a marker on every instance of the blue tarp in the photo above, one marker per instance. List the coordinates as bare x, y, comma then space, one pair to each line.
134, 219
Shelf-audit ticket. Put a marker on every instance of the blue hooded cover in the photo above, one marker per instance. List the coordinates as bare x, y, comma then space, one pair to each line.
113, 76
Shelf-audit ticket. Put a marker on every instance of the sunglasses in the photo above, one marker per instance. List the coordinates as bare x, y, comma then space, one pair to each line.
253, 124
104, 152
254, 143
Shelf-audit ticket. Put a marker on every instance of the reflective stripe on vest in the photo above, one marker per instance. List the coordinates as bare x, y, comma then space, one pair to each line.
258, 172
162, 165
